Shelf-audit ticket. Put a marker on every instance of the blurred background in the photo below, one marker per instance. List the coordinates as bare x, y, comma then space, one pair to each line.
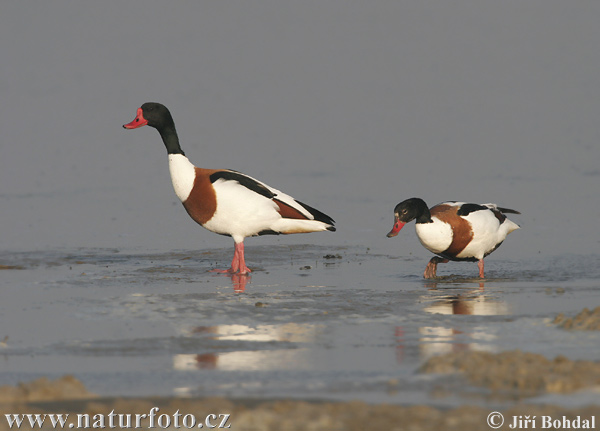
350, 107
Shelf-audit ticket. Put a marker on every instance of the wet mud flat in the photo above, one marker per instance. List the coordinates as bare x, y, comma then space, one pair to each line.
586, 320
516, 374
317, 338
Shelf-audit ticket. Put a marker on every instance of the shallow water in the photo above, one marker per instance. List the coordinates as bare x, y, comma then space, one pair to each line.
310, 322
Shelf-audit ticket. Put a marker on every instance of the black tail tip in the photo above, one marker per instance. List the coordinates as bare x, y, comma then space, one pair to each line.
508, 211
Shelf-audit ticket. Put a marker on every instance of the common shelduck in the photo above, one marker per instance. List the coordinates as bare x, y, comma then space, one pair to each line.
228, 202
455, 230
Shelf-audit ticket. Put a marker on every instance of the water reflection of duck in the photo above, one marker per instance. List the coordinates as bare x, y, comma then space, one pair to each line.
478, 305
239, 282
455, 230
437, 340
225, 201
264, 337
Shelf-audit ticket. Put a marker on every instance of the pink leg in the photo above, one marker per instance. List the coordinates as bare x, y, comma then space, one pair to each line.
480, 266
241, 263
235, 263
238, 263
431, 268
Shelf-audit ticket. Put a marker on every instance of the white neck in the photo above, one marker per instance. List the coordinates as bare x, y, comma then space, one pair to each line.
183, 174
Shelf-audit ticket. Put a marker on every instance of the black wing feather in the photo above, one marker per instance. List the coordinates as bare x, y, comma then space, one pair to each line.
508, 211
466, 209
245, 181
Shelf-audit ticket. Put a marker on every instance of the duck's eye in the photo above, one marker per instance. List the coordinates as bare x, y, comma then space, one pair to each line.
404, 211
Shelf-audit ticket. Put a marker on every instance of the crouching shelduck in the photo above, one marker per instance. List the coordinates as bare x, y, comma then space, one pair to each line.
455, 230
225, 201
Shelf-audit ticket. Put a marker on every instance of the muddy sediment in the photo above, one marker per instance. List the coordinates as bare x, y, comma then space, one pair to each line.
517, 373
586, 320
65, 388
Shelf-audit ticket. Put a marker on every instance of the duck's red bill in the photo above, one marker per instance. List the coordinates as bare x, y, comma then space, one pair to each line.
397, 226
139, 121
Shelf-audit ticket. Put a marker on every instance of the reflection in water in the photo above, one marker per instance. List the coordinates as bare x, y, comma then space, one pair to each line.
239, 281
248, 360
240, 347
478, 305
252, 359
437, 340
433, 284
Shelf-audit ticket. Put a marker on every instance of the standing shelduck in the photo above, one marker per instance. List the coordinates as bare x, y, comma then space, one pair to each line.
455, 230
225, 201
